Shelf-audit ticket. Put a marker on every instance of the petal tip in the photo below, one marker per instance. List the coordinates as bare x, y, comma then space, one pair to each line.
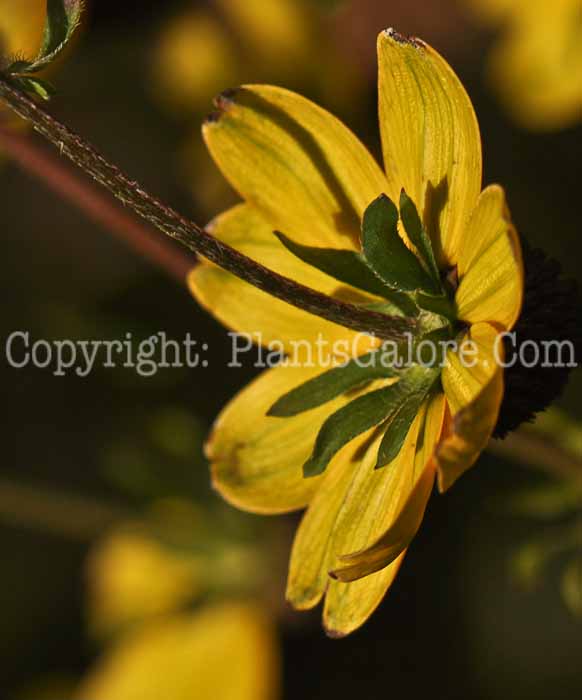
335, 634
413, 41
225, 99
442, 485
222, 102
343, 575
304, 599
211, 118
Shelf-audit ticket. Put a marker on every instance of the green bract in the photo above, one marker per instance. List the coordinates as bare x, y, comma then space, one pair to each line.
393, 404
352, 268
411, 285
62, 19
388, 255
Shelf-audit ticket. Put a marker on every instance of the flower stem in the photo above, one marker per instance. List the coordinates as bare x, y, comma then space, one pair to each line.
195, 238
54, 512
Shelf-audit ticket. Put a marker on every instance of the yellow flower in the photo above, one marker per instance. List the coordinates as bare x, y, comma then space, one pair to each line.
223, 651
200, 49
537, 64
171, 624
302, 172
133, 577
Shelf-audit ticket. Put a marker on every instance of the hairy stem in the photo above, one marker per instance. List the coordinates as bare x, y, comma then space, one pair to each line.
195, 238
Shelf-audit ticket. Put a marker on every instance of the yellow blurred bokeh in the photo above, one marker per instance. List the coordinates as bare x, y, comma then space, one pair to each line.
225, 651
202, 51
536, 65
21, 23
132, 577
176, 603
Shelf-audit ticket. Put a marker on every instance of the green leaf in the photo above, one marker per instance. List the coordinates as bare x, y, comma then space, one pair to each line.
348, 422
397, 429
418, 235
386, 252
62, 18
440, 305
348, 267
364, 413
35, 86
332, 383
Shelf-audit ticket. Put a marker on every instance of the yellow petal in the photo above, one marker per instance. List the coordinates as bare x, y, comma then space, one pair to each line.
353, 506
490, 264
416, 481
224, 651
468, 433
430, 138
312, 555
246, 309
348, 605
257, 460
467, 372
301, 167
473, 387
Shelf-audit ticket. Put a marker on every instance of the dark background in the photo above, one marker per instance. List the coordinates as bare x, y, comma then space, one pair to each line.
454, 624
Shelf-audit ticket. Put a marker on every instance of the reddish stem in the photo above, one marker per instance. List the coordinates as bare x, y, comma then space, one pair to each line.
96, 204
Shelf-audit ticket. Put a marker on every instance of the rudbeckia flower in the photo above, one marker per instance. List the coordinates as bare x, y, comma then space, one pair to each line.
537, 63
302, 173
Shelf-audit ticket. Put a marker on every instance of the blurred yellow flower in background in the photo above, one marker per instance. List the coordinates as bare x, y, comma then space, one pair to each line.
232, 39
537, 63
200, 50
193, 53
302, 172
21, 25
147, 584
119, 568
225, 651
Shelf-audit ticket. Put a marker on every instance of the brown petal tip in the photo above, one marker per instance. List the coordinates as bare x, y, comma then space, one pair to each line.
223, 101
335, 634
213, 117
406, 40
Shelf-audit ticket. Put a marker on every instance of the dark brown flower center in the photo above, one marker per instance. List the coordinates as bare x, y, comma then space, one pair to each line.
545, 345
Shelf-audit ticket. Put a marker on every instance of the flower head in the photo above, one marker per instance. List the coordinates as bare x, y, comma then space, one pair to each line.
372, 443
